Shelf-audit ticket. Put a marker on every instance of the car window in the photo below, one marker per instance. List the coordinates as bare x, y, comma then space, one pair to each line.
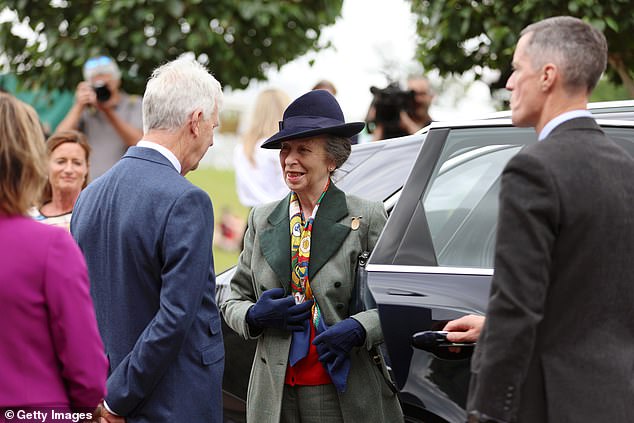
461, 201
446, 214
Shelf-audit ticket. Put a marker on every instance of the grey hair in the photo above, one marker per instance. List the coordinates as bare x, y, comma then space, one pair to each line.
175, 90
338, 148
104, 65
578, 48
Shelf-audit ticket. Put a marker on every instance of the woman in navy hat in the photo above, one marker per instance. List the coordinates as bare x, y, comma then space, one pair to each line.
295, 277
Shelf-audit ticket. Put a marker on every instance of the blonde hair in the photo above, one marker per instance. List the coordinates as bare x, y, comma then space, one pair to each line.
54, 141
23, 167
265, 119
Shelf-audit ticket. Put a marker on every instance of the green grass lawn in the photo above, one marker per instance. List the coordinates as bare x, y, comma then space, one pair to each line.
221, 187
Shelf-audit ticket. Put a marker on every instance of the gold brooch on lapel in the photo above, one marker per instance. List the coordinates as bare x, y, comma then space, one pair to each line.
355, 223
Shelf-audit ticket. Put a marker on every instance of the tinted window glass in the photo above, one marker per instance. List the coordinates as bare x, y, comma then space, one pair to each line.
461, 201
447, 215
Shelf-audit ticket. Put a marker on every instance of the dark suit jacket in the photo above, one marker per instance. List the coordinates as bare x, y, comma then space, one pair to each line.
146, 233
558, 343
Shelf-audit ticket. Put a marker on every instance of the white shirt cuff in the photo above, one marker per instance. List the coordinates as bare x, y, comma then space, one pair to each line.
105, 404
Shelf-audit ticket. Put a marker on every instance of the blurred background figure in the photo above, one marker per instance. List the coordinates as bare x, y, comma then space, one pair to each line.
68, 165
258, 174
231, 231
110, 118
422, 94
52, 355
395, 112
324, 84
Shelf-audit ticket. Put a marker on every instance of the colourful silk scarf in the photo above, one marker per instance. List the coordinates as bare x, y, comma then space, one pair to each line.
301, 230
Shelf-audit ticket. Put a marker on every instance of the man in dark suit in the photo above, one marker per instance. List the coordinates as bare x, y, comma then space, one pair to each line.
558, 337
146, 233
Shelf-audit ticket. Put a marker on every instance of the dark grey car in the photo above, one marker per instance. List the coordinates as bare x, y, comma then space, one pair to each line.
434, 259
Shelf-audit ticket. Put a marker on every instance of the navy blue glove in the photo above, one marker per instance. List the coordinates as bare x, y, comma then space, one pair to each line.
275, 309
334, 344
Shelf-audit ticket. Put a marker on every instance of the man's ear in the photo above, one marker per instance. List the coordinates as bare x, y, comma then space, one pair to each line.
194, 122
549, 76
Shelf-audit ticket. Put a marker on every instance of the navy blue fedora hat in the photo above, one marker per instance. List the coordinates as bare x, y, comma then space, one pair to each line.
314, 113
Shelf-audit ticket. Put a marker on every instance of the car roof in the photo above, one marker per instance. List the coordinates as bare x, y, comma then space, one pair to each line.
376, 170
622, 109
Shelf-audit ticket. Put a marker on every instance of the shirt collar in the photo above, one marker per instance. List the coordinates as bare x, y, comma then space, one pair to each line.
548, 128
163, 150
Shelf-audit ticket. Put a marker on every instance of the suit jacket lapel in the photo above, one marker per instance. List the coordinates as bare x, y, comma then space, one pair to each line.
275, 242
328, 235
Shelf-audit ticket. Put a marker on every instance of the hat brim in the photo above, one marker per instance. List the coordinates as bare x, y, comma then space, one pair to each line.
346, 130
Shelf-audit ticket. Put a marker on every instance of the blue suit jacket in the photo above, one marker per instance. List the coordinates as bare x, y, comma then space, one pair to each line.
146, 233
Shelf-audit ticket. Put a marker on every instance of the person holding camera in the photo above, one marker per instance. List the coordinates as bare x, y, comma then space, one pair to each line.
395, 112
422, 95
110, 118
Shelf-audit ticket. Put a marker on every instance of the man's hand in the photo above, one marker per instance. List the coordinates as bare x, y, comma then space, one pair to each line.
112, 419
102, 415
407, 124
85, 95
465, 329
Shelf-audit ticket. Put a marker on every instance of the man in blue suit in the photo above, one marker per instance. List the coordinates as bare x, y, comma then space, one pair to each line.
146, 233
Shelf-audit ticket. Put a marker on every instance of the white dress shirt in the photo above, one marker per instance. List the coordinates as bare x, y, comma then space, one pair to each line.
548, 128
163, 150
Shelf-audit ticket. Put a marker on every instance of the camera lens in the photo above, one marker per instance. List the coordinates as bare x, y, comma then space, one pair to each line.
102, 91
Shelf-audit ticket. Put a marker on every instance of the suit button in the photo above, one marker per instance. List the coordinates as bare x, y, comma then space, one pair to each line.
506, 408
337, 284
510, 388
339, 306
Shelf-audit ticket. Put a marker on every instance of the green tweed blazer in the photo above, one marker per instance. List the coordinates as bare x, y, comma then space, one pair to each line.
335, 247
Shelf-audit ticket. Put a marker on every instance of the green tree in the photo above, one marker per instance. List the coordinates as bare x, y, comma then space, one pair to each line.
457, 35
238, 40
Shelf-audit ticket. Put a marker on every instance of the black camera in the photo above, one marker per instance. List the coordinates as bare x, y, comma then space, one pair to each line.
102, 91
388, 104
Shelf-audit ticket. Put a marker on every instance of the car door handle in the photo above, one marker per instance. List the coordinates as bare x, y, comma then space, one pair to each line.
404, 293
435, 342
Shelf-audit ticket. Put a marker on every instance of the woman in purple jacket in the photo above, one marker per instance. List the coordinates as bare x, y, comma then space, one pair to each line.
51, 354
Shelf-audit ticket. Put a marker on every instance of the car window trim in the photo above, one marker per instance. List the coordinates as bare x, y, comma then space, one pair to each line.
399, 268
389, 246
